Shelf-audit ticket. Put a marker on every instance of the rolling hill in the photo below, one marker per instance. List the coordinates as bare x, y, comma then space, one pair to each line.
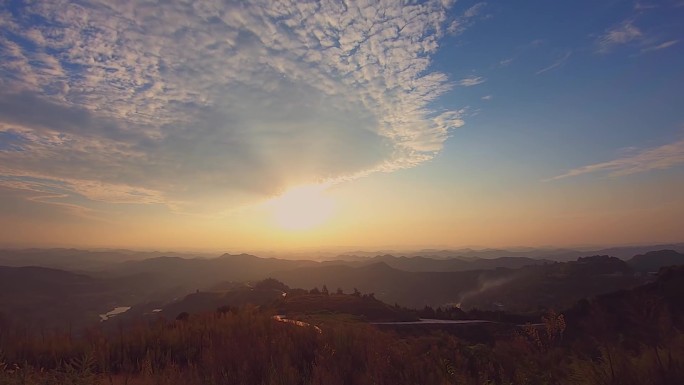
451, 264
33, 293
654, 260
38, 296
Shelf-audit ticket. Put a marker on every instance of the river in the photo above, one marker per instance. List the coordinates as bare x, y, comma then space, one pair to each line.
116, 311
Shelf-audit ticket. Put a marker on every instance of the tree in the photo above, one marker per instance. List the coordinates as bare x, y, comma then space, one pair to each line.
339, 291
184, 316
428, 312
315, 291
554, 325
271, 284
325, 290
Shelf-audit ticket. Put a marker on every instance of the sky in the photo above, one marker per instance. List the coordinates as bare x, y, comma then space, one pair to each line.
254, 125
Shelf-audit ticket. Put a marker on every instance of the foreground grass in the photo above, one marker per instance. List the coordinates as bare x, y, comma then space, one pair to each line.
249, 347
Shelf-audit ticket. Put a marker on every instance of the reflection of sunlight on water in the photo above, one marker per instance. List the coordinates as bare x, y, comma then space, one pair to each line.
114, 312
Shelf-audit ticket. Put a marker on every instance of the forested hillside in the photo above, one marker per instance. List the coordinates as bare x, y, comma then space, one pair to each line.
630, 337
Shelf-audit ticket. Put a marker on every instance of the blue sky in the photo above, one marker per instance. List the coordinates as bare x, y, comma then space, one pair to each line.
202, 109
592, 99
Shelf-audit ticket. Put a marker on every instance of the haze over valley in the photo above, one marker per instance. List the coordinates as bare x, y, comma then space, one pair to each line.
48, 285
341, 192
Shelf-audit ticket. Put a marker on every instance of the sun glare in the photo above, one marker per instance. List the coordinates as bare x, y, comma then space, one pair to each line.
302, 207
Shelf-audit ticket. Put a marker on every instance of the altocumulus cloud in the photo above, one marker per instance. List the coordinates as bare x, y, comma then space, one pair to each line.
168, 102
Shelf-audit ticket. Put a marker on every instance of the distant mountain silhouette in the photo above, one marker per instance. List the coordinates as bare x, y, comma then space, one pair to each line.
524, 285
553, 254
623, 252
526, 289
393, 283
187, 275
426, 264
556, 286
654, 260
421, 261
413, 289
75, 259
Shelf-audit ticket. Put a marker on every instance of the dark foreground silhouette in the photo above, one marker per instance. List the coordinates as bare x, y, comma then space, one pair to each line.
628, 337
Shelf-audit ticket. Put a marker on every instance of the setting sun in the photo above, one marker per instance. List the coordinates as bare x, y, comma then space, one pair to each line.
302, 207
342, 192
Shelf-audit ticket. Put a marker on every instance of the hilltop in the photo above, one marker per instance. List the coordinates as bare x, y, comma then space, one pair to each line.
627, 337
654, 260
32, 294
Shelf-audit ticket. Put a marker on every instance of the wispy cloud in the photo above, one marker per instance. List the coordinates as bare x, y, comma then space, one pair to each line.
628, 34
487, 97
622, 33
559, 62
474, 10
123, 103
640, 6
521, 50
656, 158
461, 23
471, 81
537, 43
505, 62
660, 46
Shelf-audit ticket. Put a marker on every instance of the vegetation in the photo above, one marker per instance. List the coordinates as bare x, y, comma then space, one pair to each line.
47, 296
248, 346
654, 260
560, 285
364, 306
